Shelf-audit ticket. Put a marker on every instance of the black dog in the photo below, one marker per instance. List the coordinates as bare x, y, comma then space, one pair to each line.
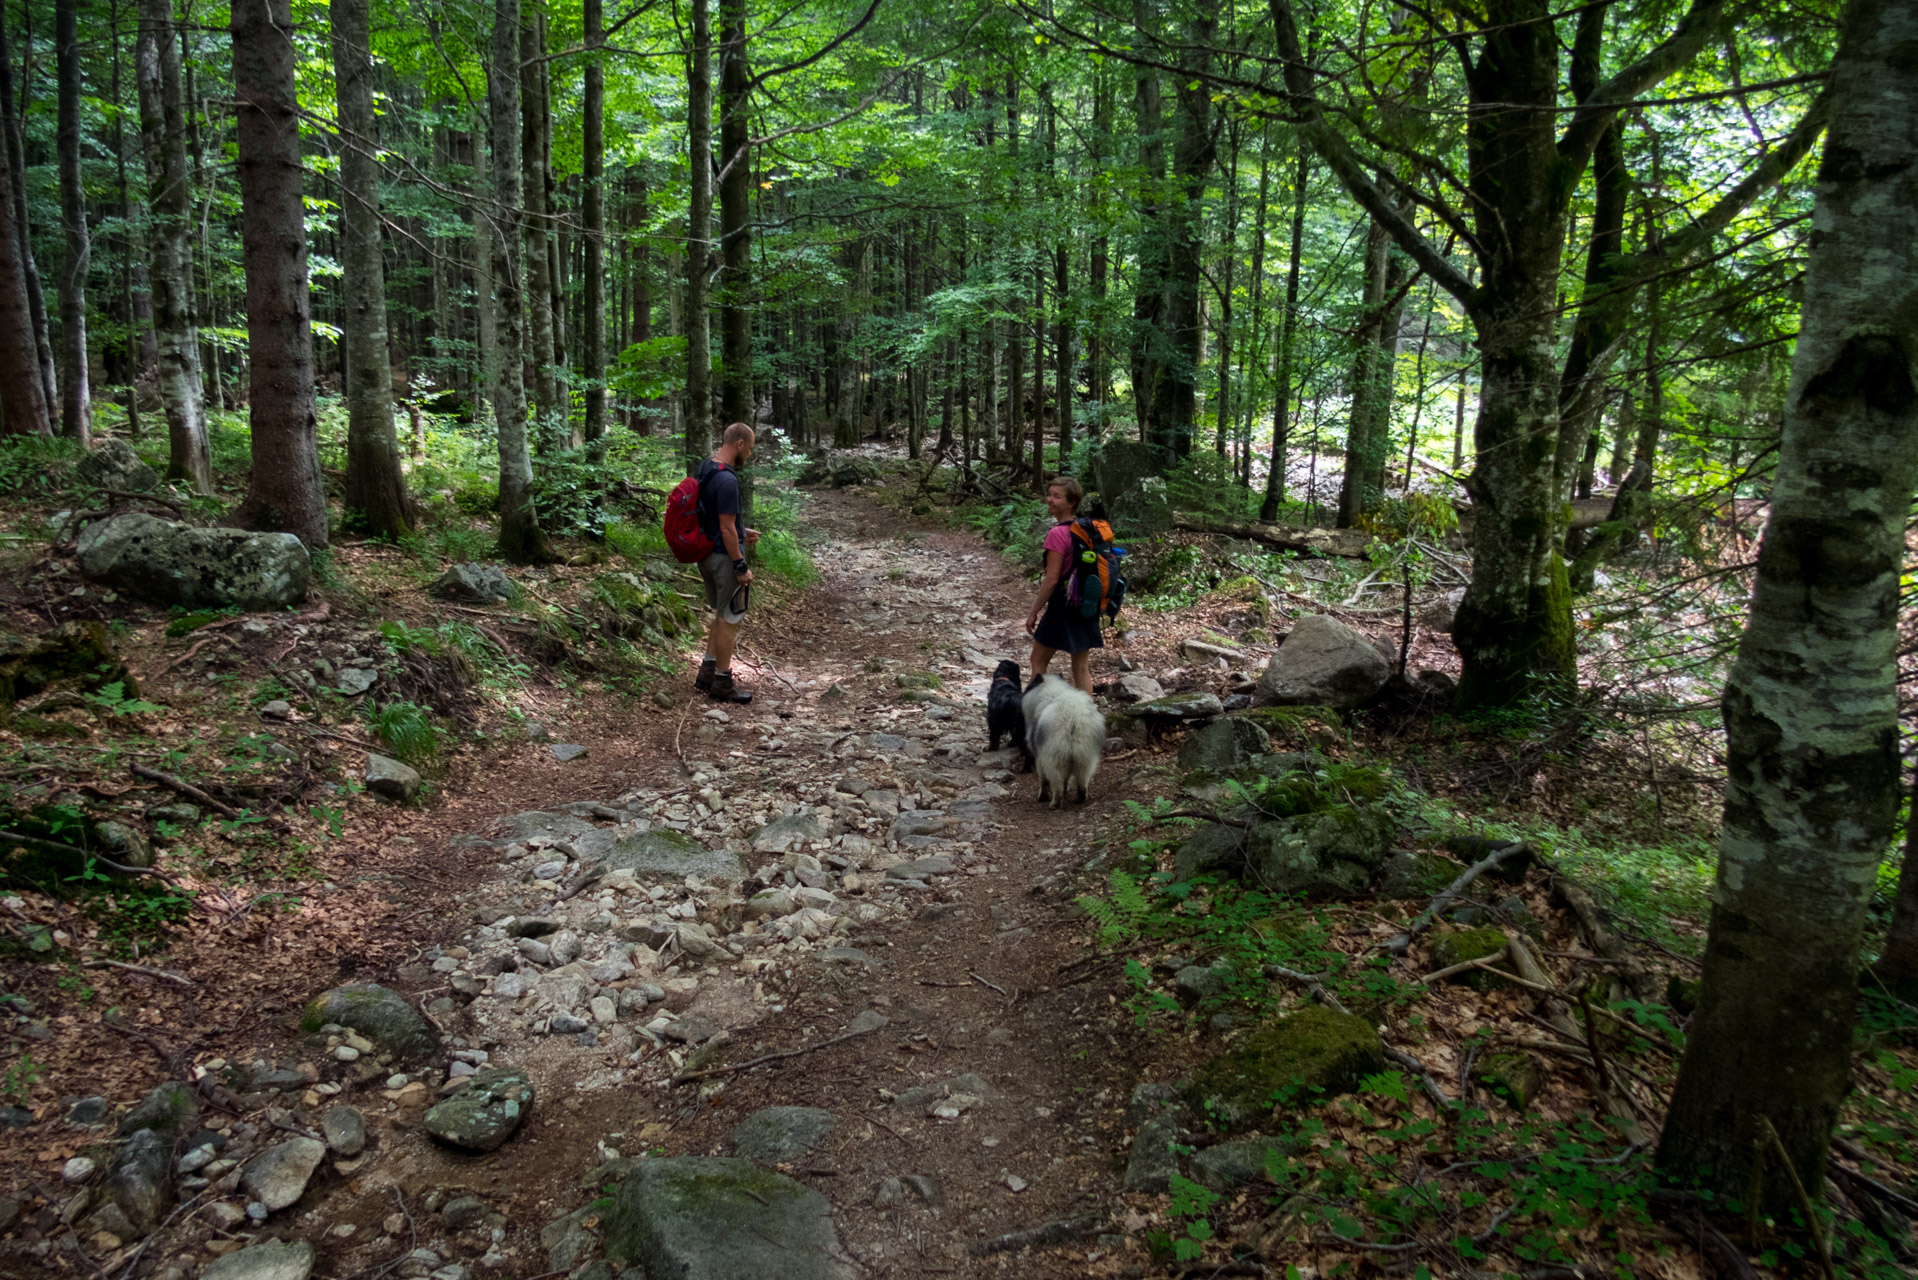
1005, 711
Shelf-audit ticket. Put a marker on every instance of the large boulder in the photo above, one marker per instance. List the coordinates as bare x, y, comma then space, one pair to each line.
1312, 1053
1330, 854
488, 1111
838, 472
474, 583
1224, 746
1323, 663
379, 1013
710, 1218
668, 853
112, 464
391, 778
166, 562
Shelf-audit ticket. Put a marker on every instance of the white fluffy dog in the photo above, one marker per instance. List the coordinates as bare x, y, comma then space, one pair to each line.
1066, 735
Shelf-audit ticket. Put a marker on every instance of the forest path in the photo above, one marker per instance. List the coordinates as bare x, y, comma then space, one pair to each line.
990, 1100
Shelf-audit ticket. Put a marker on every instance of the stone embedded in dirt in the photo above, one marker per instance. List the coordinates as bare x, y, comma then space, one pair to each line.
353, 681
277, 709
690, 1030
1314, 1052
1154, 1158
566, 1024
1441, 614
474, 583
1456, 946
463, 1212
851, 957
1236, 1162
922, 868
1332, 854
784, 835
166, 562
774, 1135
531, 927
140, 1181
1323, 663
344, 1129
1180, 708
668, 853
566, 752
970, 1086
278, 1176
770, 902
1196, 983
89, 1111
486, 1113
1516, 1077
1224, 746
534, 823
1137, 687
390, 778
713, 1218
77, 1170
113, 464
268, 1260
170, 1109
379, 1013
74, 655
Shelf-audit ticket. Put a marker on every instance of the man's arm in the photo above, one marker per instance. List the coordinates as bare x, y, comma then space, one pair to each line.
729, 538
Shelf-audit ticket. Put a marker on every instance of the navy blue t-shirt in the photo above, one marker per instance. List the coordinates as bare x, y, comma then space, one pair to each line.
718, 496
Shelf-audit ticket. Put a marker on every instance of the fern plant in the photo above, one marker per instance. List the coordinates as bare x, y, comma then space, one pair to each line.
1121, 916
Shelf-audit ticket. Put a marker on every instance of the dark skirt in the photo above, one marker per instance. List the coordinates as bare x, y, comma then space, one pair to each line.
1066, 629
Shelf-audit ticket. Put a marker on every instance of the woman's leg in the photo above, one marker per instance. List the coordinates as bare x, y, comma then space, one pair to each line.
1041, 659
1082, 669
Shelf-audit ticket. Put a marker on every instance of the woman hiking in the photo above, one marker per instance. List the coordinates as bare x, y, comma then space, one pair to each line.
1064, 628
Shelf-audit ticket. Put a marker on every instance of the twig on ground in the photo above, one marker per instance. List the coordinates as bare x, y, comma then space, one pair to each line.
1032, 1237
165, 974
1438, 905
1462, 966
976, 978
689, 1077
1805, 1205
185, 788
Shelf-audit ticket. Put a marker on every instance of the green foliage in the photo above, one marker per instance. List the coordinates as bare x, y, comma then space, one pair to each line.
112, 698
36, 464
637, 543
1121, 916
17, 1085
650, 370
188, 623
1018, 528
408, 730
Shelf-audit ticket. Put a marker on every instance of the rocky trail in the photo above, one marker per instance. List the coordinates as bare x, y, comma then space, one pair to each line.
836, 883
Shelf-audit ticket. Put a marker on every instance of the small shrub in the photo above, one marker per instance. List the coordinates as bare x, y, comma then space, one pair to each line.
408, 730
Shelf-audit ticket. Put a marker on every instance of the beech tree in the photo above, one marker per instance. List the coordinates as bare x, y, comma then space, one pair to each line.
1811, 708
76, 398
170, 254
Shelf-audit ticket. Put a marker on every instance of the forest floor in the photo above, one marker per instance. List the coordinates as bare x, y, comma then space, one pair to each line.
982, 1123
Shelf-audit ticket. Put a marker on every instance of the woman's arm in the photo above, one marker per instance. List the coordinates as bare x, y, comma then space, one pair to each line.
1055, 565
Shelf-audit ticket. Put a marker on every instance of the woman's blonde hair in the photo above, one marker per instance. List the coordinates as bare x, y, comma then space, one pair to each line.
1075, 492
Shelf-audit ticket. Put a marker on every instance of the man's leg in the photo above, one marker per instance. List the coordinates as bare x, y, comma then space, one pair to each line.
704, 680
1041, 659
1082, 669
721, 640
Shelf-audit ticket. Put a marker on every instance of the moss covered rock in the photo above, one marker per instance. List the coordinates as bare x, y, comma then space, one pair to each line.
1214, 847
1456, 946
617, 602
669, 853
1312, 1052
379, 1013
1331, 854
1289, 724
488, 1111
1224, 746
1415, 877
74, 655
1516, 1077
711, 1218
169, 1109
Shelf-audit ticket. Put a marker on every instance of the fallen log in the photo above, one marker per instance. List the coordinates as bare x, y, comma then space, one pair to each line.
1347, 543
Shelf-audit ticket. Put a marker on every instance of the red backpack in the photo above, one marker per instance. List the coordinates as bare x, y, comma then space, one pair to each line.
688, 542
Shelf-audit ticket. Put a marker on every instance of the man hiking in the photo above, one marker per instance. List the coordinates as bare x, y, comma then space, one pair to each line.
725, 571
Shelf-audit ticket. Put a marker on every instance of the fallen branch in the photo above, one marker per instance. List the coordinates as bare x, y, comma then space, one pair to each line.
1451, 969
688, 1078
1347, 543
185, 788
1035, 1237
165, 974
1399, 945
55, 848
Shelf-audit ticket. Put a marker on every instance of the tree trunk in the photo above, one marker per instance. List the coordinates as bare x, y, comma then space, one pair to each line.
375, 486
1288, 324
1368, 436
735, 214
283, 491
1176, 393
699, 218
1150, 347
1811, 707
10, 124
23, 394
593, 218
163, 144
76, 404
549, 415
1897, 967
520, 537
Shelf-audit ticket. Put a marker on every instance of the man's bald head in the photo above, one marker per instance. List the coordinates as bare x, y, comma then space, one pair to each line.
737, 433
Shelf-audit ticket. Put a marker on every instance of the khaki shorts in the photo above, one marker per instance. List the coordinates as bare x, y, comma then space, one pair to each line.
723, 592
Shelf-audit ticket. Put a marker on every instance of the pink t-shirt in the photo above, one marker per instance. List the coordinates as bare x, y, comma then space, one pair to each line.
1059, 538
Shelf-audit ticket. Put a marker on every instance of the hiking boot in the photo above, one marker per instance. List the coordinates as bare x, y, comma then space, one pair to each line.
724, 690
704, 680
